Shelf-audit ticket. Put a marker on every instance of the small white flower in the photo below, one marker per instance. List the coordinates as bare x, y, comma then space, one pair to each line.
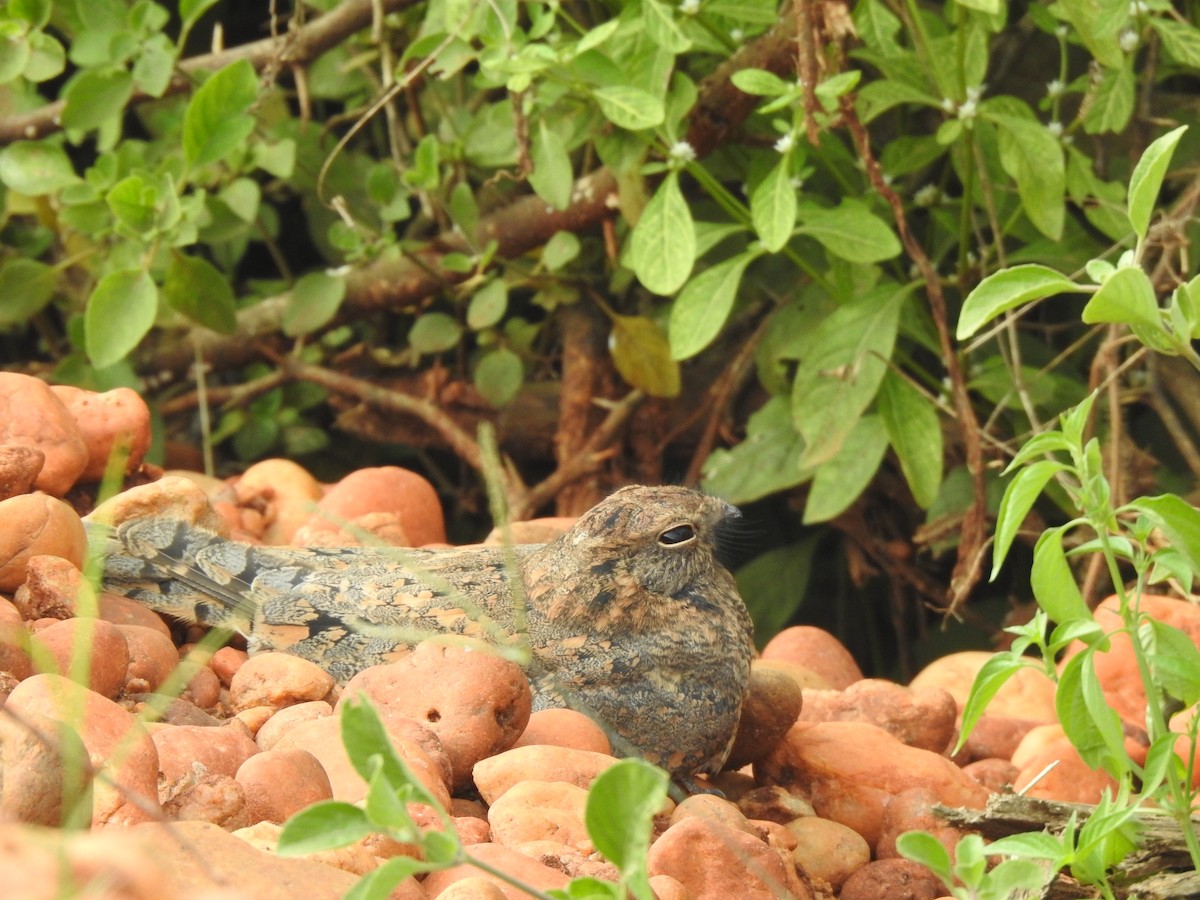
689, 7
796, 182
1068, 138
785, 143
1138, 8
1055, 128
1061, 32
886, 179
682, 150
927, 195
737, 35
972, 258
947, 105
1055, 88
974, 93
967, 110
1128, 40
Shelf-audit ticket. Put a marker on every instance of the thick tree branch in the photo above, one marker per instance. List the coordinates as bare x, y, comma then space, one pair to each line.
297, 47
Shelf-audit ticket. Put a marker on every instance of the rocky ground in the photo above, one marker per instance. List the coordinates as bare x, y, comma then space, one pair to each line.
195, 757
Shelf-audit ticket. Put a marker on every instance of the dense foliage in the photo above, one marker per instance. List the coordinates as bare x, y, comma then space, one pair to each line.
724, 241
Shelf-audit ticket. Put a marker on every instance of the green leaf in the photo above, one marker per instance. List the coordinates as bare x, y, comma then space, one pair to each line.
47, 58
323, 826
773, 206
661, 27
1126, 297
1147, 179
991, 7
662, 247
35, 168
1098, 24
195, 287
313, 301
487, 305
551, 177
1112, 105
191, 10
630, 107
621, 806
134, 201
839, 481
215, 123
774, 584
155, 65
760, 83
1178, 520
1181, 41
992, 676
119, 313
1090, 722
381, 883
15, 54
562, 248
1027, 485
1008, 289
434, 332
850, 231
499, 376
836, 382
1053, 582
26, 286
1174, 661
704, 304
922, 847
642, 356
1034, 158
95, 96
766, 461
915, 434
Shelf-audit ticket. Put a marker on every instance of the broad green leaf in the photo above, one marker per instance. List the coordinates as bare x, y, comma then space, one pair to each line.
47, 58
1030, 845
323, 826
915, 434
774, 584
196, 288
119, 313
621, 805
662, 247
15, 54
216, 121
487, 305
662, 28
840, 480
35, 12
922, 847
1181, 41
597, 36
1174, 661
1147, 179
1053, 582
850, 231
381, 882
704, 304
1128, 298
35, 168
499, 375
191, 10
642, 356
992, 676
773, 206
1098, 24
562, 248
551, 177
95, 96
767, 460
1178, 520
760, 83
629, 107
877, 97
313, 302
1034, 158
134, 201
434, 332
991, 7
837, 381
370, 750
1027, 485
1008, 289
1090, 722
26, 286
155, 65
1112, 105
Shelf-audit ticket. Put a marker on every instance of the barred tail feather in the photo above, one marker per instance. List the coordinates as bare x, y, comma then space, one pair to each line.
178, 569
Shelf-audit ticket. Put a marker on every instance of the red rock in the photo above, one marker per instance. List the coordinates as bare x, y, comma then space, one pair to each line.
1029, 694
667, 888
123, 611
770, 709
378, 529
279, 783
773, 803
207, 797
115, 740
497, 774
828, 850
475, 702
994, 774
287, 490
1071, 780
274, 728
541, 810
19, 468
14, 642
221, 750
851, 770
712, 861
54, 588
116, 421
225, 663
386, 489
994, 737
531, 531
920, 717
804, 677
172, 498
474, 887
279, 680
912, 810
561, 727
712, 808
203, 686
817, 650
895, 879
514, 864
39, 757
152, 658
89, 649
37, 525
32, 416
472, 830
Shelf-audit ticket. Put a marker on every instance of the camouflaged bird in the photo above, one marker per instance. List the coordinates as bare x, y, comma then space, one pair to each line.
629, 615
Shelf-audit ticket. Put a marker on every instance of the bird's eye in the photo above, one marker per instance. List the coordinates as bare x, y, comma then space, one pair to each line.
676, 535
